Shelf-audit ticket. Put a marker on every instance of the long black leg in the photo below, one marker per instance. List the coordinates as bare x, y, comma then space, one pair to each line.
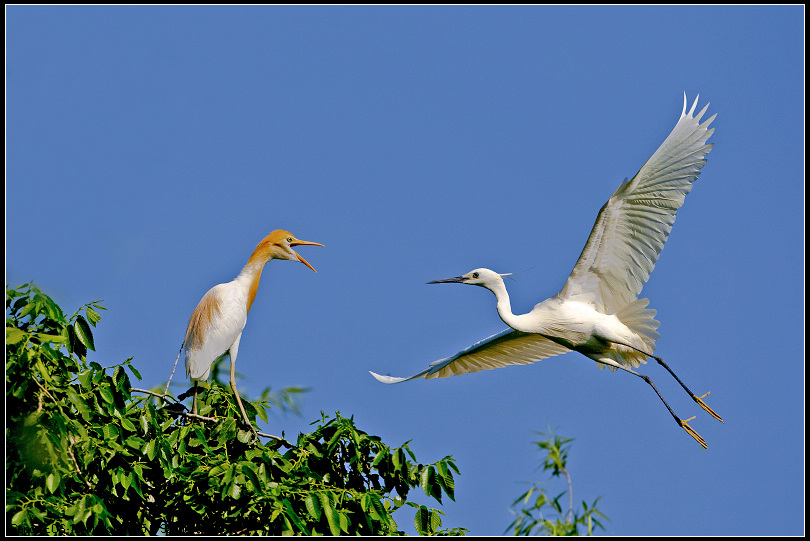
682, 423
696, 398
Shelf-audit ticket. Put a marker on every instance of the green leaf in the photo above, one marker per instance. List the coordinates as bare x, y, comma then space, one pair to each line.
227, 430
116, 377
446, 477
382, 455
75, 345
313, 507
260, 411
421, 520
247, 471
86, 379
29, 308
83, 333
334, 527
44, 373
92, 315
151, 449
344, 521
126, 480
52, 310
79, 403
19, 517
134, 371
110, 431
376, 509
51, 338
106, 394
230, 472
88, 429
14, 335
290, 512
425, 479
217, 470
235, 490
37, 513
435, 520
52, 481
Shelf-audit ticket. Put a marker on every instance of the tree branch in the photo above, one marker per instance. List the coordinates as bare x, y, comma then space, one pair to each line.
203, 418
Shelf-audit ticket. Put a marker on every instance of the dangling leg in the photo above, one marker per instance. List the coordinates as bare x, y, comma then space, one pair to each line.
685, 388
696, 398
683, 424
194, 405
233, 351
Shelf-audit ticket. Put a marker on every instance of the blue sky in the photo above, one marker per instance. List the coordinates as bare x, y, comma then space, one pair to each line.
149, 149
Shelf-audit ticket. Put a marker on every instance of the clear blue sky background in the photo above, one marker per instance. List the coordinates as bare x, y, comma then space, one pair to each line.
149, 149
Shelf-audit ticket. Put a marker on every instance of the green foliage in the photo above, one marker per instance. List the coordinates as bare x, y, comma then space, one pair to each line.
533, 518
87, 455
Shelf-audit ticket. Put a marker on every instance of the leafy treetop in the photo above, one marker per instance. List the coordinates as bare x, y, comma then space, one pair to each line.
87, 454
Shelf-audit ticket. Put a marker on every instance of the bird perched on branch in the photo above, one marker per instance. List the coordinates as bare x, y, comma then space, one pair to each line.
215, 326
598, 312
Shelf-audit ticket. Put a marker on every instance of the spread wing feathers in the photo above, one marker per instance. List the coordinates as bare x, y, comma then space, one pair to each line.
632, 227
503, 349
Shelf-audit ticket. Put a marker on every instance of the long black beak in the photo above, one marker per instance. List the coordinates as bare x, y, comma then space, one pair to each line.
456, 280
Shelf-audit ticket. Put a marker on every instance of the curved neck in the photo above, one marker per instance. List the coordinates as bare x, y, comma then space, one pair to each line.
505, 307
250, 276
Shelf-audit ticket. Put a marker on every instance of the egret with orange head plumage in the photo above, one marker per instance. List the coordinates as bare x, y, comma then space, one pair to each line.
215, 327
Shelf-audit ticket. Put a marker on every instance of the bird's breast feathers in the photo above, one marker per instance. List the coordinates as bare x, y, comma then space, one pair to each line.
214, 326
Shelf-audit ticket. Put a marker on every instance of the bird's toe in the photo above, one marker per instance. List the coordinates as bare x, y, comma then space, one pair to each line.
691, 432
703, 405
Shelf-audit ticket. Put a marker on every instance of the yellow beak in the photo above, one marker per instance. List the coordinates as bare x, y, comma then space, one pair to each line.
297, 242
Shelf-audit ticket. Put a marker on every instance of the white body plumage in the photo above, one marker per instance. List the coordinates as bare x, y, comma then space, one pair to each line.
215, 327
224, 314
598, 312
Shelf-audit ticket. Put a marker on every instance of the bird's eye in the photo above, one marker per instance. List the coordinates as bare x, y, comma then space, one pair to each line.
475, 275
289, 239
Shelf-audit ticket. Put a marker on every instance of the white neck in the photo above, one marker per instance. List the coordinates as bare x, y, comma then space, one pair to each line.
505, 307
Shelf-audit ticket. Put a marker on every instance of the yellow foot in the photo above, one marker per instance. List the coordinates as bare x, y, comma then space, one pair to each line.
704, 406
692, 432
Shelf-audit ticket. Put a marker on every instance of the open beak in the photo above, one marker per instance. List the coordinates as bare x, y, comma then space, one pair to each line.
304, 243
456, 280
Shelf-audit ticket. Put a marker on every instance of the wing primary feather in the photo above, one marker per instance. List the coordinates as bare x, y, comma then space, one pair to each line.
508, 347
632, 227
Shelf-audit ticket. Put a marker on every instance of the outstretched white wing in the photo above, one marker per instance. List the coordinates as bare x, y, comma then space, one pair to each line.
634, 224
503, 349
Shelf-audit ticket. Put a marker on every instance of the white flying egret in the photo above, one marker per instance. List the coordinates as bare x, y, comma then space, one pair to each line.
215, 326
598, 312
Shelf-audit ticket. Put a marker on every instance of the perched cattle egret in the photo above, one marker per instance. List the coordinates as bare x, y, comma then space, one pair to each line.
215, 326
598, 312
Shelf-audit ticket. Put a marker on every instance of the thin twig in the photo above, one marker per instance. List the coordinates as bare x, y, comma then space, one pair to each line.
570, 496
78, 469
153, 393
203, 418
44, 390
174, 367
